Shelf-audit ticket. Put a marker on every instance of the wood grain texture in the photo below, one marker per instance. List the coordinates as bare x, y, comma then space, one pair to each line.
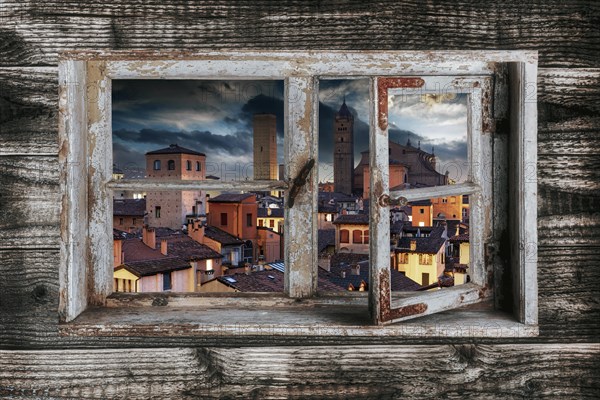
565, 33
28, 297
366, 372
569, 296
28, 111
29, 202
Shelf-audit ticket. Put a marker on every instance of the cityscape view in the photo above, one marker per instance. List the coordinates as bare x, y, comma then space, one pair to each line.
233, 241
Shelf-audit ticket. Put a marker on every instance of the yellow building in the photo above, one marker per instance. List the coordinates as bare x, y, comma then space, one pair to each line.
270, 218
460, 270
421, 259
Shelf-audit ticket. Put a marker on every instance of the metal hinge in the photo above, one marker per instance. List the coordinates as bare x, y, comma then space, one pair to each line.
300, 181
386, 201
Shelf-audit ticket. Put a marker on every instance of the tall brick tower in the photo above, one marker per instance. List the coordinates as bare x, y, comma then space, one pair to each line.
265, 147
343, 150
171, 209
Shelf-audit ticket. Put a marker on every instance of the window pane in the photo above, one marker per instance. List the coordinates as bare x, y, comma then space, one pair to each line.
343, 219
203, 241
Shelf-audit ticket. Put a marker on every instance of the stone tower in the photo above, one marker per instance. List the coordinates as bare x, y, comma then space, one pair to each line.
343, 150
173, 208
265, 147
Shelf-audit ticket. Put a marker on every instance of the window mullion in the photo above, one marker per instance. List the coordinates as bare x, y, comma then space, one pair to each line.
433, 192
174, 184
379, 224
300, 221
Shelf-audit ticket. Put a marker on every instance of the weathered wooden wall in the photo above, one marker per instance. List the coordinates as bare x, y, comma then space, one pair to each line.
563, 362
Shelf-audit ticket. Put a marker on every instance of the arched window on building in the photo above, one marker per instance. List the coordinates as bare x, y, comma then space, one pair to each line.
344, 236
188, 165
157, 165
357, 236
198, 166
171, 165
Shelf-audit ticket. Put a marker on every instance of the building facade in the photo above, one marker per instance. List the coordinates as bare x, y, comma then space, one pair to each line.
265, 147
343, 150
170, 209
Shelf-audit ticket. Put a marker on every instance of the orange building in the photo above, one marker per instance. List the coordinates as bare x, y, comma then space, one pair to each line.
269, 244
170, 209
450, 207
398, 176
422, 213
236, 214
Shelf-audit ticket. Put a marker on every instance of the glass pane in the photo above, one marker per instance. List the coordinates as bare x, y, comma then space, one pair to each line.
343, 218
430, 244
428, 140
428, 147
196, 240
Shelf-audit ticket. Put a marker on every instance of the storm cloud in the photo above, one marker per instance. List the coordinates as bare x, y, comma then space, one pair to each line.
215, 117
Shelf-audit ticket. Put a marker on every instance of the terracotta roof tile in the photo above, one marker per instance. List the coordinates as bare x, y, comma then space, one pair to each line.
221, 236
188, 249
129, 207
275, 212
326, 238
356, 219
399, 281
155, 266
230, 197
175, 149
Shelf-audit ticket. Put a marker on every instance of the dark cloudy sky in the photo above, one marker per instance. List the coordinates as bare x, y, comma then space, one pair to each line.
215, 117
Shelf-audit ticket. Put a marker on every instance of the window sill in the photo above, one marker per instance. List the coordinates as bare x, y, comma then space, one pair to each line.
159, 315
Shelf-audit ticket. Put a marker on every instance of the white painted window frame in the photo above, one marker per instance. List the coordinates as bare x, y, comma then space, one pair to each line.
86, 156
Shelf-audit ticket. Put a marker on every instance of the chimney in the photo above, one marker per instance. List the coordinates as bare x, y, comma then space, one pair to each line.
355, 270
163, 247
196, 231
413, 245
118, 251
149, 237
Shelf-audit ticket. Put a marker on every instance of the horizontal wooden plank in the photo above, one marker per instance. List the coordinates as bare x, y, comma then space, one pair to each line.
569, 295
28, 111
365, 372
569, 230
569, 172
28, 297
568, 105
552, 201
574, 88
564, 33
29, 201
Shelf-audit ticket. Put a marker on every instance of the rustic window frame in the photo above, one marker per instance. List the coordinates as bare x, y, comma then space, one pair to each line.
85, 126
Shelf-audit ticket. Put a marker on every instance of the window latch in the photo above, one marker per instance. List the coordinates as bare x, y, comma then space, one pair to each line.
386, 201
300, 181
